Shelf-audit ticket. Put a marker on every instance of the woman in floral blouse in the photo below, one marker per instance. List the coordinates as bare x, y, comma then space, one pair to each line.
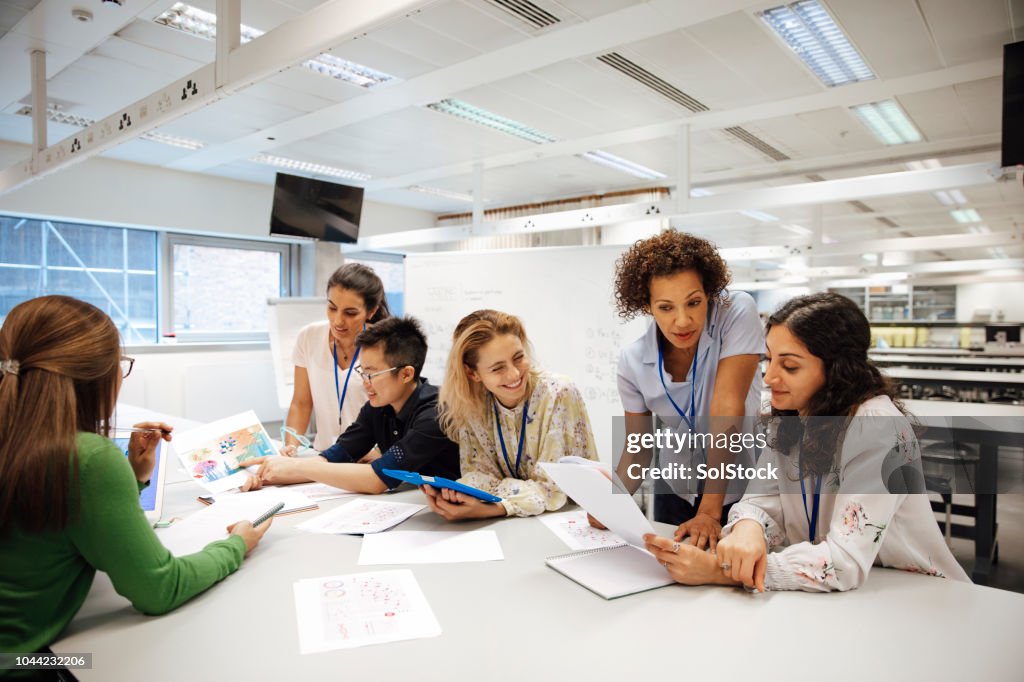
848, 494
507, 418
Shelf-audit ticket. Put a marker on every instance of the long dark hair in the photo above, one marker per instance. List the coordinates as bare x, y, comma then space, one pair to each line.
63, 363
834, 330
365, 282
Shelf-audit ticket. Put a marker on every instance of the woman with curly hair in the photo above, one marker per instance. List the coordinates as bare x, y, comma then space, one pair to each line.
849, 492
695, 369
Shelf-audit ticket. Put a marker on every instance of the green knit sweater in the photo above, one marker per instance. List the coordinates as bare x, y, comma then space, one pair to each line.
44, 577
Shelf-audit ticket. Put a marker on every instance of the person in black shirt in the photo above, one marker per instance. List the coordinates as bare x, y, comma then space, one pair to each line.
399, 417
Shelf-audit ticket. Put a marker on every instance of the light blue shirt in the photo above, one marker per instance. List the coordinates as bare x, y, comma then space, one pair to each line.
731, 329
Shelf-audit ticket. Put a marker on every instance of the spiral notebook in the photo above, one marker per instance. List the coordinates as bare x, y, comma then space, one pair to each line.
612, 571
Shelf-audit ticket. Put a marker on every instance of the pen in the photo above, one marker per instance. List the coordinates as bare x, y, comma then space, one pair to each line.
266, 515
137, 429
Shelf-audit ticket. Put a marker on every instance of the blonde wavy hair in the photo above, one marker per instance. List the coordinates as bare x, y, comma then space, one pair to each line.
463, 401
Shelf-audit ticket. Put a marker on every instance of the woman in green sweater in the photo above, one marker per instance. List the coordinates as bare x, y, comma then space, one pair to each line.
68, 496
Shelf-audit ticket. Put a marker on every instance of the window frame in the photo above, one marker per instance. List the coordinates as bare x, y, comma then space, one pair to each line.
165, 286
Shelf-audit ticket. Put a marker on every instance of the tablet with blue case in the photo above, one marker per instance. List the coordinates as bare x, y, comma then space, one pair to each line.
438, 482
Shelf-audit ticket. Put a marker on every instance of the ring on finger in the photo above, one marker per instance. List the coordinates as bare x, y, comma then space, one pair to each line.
675, 548
726, 566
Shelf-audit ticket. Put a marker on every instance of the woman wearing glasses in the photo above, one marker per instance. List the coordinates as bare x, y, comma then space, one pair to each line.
507, 417
399, 418
69, 500
325, 355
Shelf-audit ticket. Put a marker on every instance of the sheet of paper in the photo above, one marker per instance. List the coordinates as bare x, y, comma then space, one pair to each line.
211, 454
321, 491
574, 530
430, 547
196, 531
361, 516
590, 489
348, 611
294, 500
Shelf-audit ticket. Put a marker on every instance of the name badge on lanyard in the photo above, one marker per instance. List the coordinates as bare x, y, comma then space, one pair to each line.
522, 438
812, 516
693, 386
338, 390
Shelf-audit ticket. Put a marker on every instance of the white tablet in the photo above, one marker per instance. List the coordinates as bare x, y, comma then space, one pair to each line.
152, 496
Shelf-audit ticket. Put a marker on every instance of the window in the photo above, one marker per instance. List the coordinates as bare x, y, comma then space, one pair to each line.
391, 270
111, 267
148, 282
220, 287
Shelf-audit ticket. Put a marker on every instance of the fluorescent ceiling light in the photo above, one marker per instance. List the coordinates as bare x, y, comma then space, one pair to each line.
888, 122
82, 122
489, 119
869, 257
965, 215
759, 216
443, 193
620, 164
796, 229
978, 229
944, 198
997, 252
468, 112
202, 24
811, 32
958, 196
307, 167
924, 164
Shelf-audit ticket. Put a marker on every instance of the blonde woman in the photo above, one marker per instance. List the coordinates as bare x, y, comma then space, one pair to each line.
507, 418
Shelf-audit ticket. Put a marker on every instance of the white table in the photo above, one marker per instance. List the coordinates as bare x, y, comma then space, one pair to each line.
893, 359
519, 620
998, 379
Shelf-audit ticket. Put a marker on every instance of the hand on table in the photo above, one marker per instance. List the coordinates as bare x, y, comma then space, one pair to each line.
685, 563
702, 531
252, 536
743, 554
273, 471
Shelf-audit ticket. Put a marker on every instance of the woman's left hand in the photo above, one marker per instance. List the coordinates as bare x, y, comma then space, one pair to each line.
452, 505
685, 563
142, 448
703, 531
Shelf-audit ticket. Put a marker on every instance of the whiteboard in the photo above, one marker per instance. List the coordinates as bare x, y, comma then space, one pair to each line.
286, 318
564, 297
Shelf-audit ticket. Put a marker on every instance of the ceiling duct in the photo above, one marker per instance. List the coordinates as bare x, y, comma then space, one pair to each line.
535, 16
648, 79
747, 137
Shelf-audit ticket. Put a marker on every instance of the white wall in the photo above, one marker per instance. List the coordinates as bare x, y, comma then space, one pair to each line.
994, 296
117, 192
203, 385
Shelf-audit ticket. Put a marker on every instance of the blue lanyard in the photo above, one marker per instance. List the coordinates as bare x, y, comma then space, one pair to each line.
693, 385
337, 388
522, 438
812, 521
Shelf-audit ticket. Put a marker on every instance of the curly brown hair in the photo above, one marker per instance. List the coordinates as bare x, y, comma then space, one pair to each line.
662, 255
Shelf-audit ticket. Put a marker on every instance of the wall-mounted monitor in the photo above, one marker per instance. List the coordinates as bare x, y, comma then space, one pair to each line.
1013, 105
327, 211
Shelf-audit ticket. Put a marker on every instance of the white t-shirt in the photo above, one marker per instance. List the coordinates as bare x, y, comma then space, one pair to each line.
733, 329
313, 352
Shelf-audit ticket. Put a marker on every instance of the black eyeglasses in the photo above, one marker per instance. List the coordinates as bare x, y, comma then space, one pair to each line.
126, 366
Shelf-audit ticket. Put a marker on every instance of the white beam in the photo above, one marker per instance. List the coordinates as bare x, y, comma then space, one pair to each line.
229, 36
39, 102
846, 96
606, 32
288, 44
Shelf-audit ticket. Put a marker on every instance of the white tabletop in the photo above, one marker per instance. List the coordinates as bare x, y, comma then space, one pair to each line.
955, 376
519, 620
951, 361
949, 408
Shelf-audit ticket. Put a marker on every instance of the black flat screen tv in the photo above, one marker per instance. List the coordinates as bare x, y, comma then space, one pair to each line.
1013, 105
327, 211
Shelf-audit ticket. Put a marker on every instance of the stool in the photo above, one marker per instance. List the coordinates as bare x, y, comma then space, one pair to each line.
939, 462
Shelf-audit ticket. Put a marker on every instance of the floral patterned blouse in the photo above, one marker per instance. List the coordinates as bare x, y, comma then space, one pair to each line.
857, 526
557, 426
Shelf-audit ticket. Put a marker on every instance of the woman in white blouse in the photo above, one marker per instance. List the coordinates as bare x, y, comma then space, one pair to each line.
325, 354
507, 417
846, 456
